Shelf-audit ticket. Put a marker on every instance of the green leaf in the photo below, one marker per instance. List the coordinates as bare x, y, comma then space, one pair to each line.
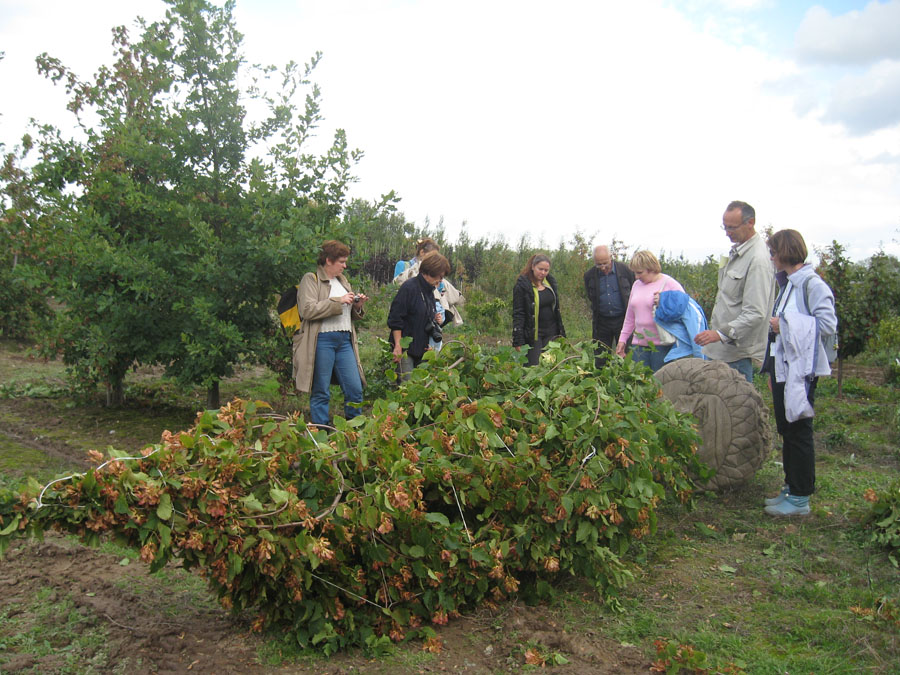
416, 551
252, 503
121, 504
164, 509
278, 496
586, 530
11, 527
707, 531
437, 517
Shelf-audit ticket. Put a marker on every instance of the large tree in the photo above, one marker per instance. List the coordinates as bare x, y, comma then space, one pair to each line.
181, 226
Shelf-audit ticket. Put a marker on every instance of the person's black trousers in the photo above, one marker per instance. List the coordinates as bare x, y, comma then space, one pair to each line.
606, 331
797, 450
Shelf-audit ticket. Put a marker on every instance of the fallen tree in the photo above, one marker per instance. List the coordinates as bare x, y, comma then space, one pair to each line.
477, 480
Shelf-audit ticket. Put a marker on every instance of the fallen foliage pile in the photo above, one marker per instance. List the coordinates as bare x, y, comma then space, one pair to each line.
468, 485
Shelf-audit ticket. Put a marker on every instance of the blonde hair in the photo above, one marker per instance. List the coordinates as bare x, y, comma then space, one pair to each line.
644, 260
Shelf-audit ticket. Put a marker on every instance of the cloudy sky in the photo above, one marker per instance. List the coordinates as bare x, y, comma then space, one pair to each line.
637, 120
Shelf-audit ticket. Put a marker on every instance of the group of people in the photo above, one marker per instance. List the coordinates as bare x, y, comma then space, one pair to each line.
770, 306
325, 348
636, 306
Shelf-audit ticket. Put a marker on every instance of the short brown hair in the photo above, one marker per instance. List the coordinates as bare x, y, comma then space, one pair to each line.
528, 270
332, 250
644, 260
434, 265
789, 246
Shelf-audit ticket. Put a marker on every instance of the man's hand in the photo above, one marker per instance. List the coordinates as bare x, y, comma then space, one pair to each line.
707, 337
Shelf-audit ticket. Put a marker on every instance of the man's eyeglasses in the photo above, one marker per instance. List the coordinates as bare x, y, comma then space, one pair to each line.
732, 228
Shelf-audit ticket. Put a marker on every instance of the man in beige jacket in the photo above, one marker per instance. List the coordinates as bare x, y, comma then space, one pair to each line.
739, 325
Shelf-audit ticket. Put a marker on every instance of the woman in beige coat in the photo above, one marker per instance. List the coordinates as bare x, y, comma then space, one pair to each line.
325, 346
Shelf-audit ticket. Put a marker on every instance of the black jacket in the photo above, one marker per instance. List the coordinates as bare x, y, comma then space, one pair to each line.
624, 276
410, 310
523, 332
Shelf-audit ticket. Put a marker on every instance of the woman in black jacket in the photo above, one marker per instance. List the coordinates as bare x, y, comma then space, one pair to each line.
412, 311
536, 317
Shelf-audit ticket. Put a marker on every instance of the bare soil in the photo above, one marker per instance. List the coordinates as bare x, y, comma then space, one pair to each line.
153, 625
150, 631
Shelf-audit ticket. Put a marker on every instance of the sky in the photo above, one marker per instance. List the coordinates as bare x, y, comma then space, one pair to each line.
634, 120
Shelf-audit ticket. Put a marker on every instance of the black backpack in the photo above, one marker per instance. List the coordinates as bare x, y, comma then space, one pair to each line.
288, 311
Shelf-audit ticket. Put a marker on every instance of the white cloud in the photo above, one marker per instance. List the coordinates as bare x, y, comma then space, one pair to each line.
867, 42
528, 117
854, 38
867, 102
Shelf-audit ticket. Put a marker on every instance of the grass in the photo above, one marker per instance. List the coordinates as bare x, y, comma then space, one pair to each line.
59, 637
768, 596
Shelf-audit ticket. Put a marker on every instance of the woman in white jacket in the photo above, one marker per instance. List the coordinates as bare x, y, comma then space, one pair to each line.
802, 322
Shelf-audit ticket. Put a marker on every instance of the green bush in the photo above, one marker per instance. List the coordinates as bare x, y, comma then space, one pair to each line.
464, 487
884, 348
22, 303
488, 315
884, 519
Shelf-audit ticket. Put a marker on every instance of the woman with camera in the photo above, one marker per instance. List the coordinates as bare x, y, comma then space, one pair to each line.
325, 345
412, 312
535, 311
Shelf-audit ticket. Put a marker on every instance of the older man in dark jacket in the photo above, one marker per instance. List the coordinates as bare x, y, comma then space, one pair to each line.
608, 286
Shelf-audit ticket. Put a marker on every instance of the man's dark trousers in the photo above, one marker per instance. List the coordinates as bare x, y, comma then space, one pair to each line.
606, 332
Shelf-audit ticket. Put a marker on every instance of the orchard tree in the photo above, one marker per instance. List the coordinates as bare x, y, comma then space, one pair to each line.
864, 294
178, 239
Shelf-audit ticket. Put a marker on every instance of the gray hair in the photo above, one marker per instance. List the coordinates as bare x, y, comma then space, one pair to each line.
747, 211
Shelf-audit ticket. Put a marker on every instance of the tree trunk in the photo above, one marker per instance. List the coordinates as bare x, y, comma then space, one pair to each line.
115, 393
840, 392
212, 396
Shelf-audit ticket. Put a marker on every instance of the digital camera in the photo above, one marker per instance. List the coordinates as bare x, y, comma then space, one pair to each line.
434, 330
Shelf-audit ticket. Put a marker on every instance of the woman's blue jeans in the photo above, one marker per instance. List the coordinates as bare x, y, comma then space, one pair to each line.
334, 354
654, 360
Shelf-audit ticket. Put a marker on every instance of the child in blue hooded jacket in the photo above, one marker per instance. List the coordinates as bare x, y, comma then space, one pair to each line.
680, 314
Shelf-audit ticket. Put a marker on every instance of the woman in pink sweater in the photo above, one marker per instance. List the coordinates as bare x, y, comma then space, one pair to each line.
649, 281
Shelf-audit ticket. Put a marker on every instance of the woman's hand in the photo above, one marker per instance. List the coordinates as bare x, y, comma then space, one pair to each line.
620, 349
398, 349
773, 324
359, 299
347, 298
